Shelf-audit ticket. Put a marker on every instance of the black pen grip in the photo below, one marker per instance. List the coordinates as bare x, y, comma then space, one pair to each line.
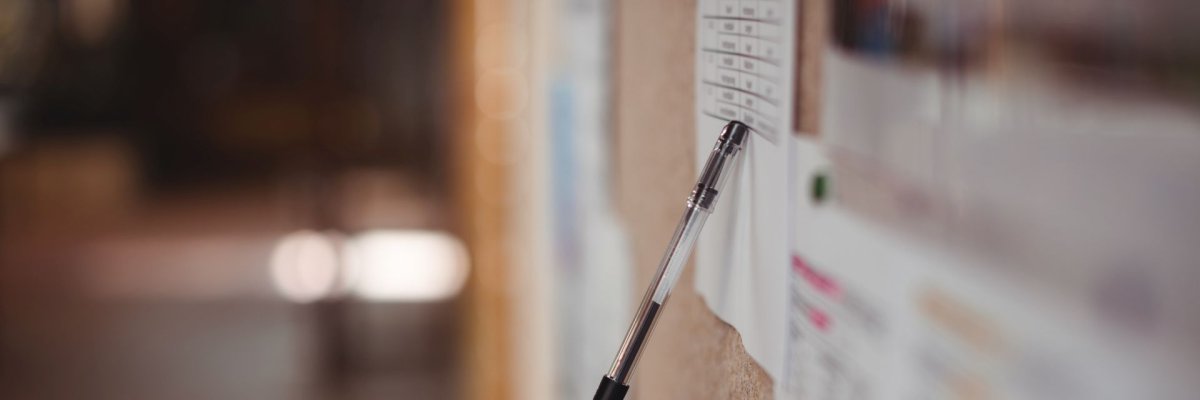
610, 390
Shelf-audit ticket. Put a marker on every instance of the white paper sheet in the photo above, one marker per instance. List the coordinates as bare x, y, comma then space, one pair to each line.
744, 71
879, 316
885, 307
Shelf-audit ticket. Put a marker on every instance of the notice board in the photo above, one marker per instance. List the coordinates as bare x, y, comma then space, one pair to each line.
693, 354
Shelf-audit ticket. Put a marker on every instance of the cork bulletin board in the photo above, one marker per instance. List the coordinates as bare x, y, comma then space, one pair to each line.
693, 354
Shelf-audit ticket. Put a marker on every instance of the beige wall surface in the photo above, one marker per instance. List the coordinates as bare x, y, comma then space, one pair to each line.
693, 354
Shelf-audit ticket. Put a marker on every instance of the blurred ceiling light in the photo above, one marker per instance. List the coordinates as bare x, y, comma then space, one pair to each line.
406, 266
304, 266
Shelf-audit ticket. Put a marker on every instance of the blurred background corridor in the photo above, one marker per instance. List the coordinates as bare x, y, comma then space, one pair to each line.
206, 200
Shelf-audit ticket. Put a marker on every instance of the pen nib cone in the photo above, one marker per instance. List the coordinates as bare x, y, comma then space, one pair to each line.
735, 132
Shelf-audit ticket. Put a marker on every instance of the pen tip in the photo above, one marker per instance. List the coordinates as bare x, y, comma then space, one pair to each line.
736, 132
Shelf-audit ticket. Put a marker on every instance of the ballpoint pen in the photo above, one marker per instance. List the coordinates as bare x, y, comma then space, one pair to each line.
724, 158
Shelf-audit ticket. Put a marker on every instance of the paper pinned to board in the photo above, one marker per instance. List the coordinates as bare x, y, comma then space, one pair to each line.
744, 71
885, 307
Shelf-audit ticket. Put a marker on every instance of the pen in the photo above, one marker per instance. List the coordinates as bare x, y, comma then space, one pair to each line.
724, 158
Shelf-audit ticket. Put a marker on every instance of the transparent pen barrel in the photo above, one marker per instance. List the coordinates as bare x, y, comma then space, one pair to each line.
726, 155
669, 270
671, 266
